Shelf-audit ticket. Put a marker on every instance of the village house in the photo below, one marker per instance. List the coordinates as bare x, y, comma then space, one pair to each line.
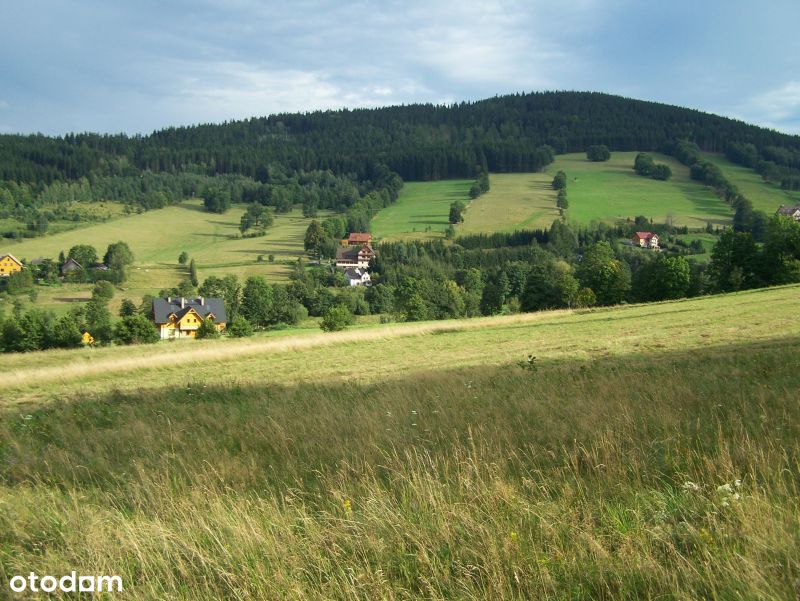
70, 265
357, 277
87, 339
181, 317
793, 212
354, 256
357, 239
645, 240
9, 264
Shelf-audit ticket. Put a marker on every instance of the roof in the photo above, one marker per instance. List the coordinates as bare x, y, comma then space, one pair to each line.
71, 261
12, 257
359, 237
164, 307
784, 210
644, 235
354, 273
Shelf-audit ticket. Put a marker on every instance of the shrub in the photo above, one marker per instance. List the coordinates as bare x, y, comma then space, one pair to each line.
336, 318
208, 329
240, 328
135, 329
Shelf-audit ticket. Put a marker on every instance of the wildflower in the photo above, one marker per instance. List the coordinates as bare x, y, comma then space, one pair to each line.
692, 486
348, 508
513, 536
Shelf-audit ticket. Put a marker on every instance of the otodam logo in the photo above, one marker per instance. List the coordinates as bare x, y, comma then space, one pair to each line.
70, 583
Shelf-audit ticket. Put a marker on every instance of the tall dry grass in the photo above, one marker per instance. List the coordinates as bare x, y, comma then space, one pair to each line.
669, 477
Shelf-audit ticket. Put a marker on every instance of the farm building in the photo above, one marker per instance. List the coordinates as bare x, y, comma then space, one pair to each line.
357, 277
70, 265
645, 240
357, 239
181, 317
9, 264
353, 256
793, 212
87, 339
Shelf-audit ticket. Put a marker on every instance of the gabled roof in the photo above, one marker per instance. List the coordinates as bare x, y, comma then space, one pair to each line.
644, 235
71, 261
164, 307
784, 210
354, 273
359, 237
12, 257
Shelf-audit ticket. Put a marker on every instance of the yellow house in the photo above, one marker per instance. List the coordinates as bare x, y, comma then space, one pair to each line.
9, 264
181, 317
87, 339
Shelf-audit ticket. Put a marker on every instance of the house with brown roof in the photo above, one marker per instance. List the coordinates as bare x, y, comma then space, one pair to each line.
354, 256
645, 240
358, 239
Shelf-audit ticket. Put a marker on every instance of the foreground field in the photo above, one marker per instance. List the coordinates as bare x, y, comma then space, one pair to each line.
377, 352
158, 237
666, 473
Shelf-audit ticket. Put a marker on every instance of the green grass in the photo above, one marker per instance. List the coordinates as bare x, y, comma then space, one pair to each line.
385, 351
611, 190
666, 471
515, 201
421, 211
158, 237
765, 196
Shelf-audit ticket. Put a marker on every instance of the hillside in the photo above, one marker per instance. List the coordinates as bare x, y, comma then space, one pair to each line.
157, 237
647, 452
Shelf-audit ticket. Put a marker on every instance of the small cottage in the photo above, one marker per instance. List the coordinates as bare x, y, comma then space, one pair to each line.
70, 265
358, 239
793, 212
357, 277
645, 240
9, 264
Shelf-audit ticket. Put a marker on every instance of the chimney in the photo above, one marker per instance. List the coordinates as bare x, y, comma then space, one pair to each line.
183, 302
202, 300
169, 300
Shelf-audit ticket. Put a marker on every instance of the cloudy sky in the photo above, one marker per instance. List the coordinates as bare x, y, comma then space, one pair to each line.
120, 65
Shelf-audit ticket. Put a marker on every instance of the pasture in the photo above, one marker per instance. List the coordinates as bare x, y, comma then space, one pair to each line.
384, 351
157, 238
421, 211
765, 196
515, 201
610, 191
647, 452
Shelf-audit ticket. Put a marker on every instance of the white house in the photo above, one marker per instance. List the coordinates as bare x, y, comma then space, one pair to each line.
357, 277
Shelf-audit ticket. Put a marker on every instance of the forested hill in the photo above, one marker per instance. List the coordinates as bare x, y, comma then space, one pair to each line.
419, 142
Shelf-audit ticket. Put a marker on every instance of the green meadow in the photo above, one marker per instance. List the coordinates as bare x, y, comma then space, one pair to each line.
515, 201
647, 452
610, 191
421, 211
157, 238
765, 196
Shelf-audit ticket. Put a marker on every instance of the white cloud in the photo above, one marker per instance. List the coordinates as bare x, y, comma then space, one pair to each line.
778, 108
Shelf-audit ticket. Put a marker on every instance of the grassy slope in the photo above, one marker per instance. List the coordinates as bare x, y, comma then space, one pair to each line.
158, 237
386, 351
515, 201
582, 480
421, 211
765, 196
611, 190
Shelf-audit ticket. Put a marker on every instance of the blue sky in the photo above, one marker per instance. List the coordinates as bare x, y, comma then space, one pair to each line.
116, 65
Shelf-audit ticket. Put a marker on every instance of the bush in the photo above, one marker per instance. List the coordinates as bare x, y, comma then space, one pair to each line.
135, 329
240, 328
208, 329
598, 152
336, 318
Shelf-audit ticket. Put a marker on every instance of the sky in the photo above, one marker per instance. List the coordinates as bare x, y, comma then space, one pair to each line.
122, 66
